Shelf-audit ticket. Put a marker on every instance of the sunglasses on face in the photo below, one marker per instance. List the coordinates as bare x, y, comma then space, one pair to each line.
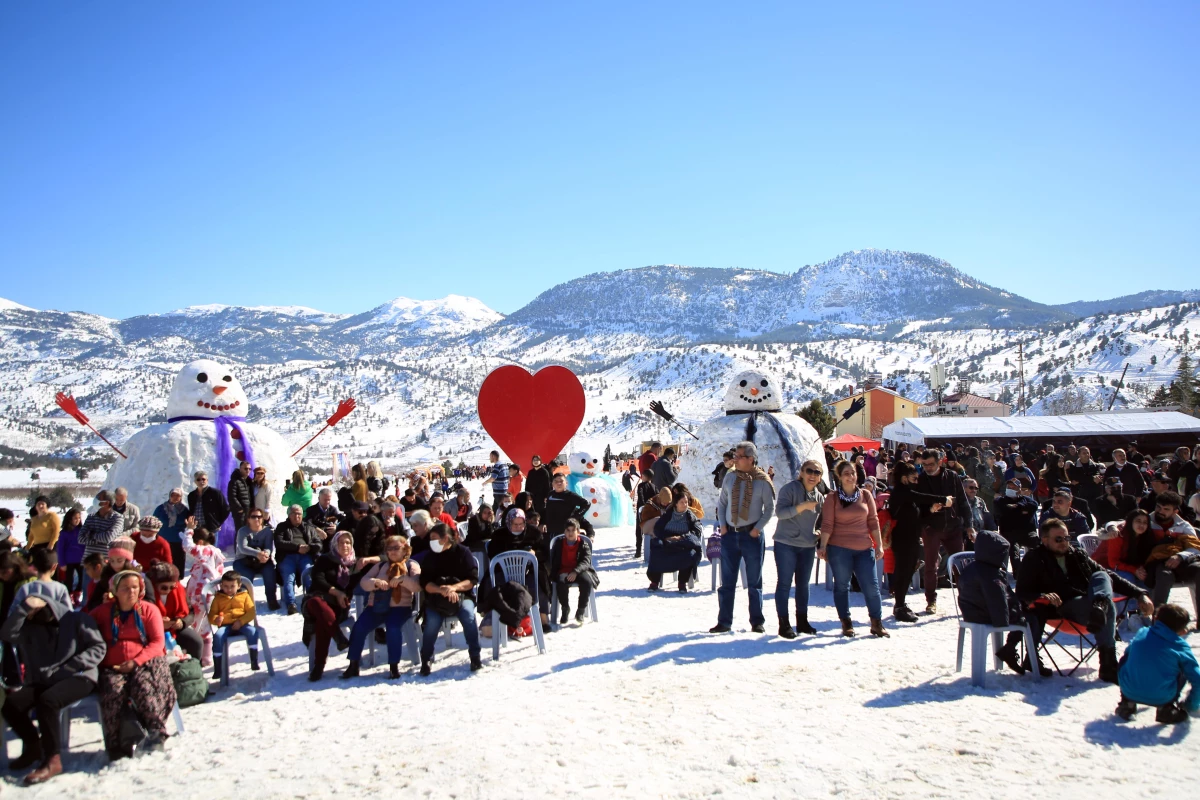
816, 472
256, 516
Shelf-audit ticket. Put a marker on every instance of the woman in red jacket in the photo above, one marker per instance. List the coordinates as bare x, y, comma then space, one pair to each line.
1120, 553
172, 601
134, 672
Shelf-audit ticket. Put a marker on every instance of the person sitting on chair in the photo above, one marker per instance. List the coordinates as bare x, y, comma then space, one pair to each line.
134, 671
571, 565
390, 586
232, 613
480, 529
1156, 666
676, 544
255, 551
328, 602
1063, 582
1174, 549
60, 650
172, 601
1061, 509
448, 578
985, 596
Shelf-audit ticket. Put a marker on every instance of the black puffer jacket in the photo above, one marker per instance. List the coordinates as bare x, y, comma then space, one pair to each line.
510, 600
983, 591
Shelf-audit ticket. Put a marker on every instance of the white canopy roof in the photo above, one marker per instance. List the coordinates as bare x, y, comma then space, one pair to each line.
915, 430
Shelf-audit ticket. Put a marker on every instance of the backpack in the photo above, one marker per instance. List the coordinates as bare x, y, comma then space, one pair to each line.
345, 499
191, 687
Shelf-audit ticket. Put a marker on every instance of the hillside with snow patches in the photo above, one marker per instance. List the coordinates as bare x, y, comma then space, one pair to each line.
675, 334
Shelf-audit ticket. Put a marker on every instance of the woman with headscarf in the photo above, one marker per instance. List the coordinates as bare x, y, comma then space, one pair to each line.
390, 586
329, 597
134, 674
517, 534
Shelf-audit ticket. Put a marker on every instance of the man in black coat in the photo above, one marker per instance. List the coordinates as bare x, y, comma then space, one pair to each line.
206, 504
1127, 472
537, 484
240, 494
1086, 476
449, 575
1061, 581
945, 527
1016, 516
985, 596
1114, 505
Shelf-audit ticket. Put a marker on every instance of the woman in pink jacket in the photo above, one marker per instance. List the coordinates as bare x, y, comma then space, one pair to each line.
850, 544
390, 586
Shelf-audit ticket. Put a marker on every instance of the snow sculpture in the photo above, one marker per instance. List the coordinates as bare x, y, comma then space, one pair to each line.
611, 505
753, 412
206, 429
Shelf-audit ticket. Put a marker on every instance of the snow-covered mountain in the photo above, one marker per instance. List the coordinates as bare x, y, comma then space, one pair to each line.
676, 334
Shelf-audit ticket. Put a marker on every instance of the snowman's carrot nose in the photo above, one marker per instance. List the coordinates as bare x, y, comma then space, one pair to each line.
219, 389
754, 392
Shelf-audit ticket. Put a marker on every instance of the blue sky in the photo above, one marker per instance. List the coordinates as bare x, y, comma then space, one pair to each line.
156, 155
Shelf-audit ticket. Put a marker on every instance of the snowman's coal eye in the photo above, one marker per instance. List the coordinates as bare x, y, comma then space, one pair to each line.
762, 383
742, 384
202, 377
228, 379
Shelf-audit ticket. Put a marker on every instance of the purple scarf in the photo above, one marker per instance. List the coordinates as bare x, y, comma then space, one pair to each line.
227, 462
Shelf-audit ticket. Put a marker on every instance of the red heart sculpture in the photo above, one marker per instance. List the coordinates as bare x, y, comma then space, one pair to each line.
531, 415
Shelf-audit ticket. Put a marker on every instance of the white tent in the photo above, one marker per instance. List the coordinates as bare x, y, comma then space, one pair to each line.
922, 430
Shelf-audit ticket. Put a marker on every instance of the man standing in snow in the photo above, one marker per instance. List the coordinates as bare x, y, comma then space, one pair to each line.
745, 506
945, 527
497, 477
130, 514
664, 470
646, 459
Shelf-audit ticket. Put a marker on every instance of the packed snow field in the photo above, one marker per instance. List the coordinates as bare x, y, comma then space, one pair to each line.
646, 703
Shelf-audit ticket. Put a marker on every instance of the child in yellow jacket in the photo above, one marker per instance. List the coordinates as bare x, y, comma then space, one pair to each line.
232, 613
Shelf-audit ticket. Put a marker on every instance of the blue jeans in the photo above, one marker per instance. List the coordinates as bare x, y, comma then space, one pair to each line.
1079, 609
1132, 578
861, 563
250, 567
249, 631
793, 563
290, 566
433, 624
736, 546
371, 618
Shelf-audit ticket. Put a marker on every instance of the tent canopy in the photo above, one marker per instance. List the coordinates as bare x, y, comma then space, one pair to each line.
1154, 431
849, 440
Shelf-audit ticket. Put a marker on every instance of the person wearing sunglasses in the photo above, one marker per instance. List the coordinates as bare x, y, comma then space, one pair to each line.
255, 552
798, 509
1060, 581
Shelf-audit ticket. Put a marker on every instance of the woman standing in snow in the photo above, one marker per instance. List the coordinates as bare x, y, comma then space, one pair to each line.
851, 543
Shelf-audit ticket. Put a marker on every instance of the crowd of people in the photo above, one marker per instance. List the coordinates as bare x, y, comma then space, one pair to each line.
107, 603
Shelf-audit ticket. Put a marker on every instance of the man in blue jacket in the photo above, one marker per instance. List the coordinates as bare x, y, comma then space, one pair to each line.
1155, 667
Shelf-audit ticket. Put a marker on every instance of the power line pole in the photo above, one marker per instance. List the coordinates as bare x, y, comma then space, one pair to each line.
1021, 378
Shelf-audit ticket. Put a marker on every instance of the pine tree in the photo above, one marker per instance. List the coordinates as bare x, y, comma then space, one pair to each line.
1183, 388
819, 417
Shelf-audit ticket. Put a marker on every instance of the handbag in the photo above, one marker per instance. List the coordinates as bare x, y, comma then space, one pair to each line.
442, 604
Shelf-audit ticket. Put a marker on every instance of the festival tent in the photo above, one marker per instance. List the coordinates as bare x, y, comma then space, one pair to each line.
1154, 431
848, 440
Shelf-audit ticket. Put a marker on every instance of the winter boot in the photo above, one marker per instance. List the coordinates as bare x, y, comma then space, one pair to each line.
45, 772
217, 665
339, 638
1042, 669
1126, 708
316, 672
351, 671
785, 629
1170, 714
877, 628
424, 669
802, 626
1008, 653
902, 613
254, 658
1108, 664
393, 671
847, 627
931, 607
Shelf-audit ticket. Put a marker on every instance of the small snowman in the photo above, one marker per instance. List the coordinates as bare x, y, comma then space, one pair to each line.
753, 412
611, 506
206, 429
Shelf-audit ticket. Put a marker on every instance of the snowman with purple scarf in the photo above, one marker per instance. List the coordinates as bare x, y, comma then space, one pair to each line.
206, 430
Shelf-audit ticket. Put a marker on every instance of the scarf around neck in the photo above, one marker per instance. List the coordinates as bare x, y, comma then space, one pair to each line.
743, 490
849, 499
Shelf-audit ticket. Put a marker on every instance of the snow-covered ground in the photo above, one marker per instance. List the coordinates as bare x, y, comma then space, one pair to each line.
646, 703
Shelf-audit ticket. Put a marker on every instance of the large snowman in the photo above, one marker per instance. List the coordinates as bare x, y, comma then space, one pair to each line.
611, 504
753, 406
206, 429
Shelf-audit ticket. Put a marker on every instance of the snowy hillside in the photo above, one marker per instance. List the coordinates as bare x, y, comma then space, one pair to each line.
415, 366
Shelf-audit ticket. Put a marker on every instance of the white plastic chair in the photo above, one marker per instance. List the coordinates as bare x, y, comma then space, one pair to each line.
411, 633
554, 624
66, 715
513, 566
462, 530
980, 637
1089, 542
263, 642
